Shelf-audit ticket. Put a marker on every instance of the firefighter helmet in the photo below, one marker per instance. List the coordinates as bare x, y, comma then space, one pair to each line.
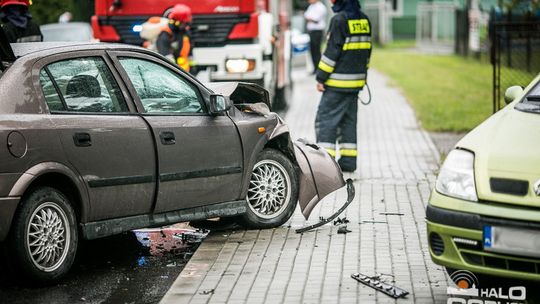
15, 2
181, 12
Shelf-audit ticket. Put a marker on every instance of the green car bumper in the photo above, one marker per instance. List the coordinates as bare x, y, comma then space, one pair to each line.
455, 241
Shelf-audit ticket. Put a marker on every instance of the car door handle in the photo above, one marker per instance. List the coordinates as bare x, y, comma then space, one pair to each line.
82, 139
167, 138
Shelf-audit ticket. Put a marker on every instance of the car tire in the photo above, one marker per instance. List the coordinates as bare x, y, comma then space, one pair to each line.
272, 191
43, 239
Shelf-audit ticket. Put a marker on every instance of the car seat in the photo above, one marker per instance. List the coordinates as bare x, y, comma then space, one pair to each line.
83, 93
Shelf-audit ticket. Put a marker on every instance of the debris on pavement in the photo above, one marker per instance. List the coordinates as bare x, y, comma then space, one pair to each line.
168, 240
373, 222
343, 229
391, 213
350, 196
208, 291
340, 221
376, 283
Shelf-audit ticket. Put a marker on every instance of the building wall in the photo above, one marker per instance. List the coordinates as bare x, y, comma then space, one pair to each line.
404, 20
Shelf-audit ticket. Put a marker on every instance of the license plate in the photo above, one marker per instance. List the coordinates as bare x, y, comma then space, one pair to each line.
515, 241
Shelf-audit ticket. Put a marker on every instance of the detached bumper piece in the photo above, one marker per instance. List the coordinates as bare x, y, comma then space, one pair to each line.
376, 283
350, 197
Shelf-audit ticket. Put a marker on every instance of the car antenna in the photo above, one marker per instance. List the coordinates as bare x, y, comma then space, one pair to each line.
6, 53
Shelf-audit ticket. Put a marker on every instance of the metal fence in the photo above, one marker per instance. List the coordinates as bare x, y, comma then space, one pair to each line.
381, 20
515, 56
435, 26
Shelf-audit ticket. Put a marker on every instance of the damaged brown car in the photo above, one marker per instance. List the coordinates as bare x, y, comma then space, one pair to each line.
100, 139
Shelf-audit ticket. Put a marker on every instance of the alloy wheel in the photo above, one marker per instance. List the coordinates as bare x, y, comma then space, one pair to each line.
48, 237
269, 189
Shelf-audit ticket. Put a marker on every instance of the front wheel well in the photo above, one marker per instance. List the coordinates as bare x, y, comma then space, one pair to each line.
63, 184
283, 143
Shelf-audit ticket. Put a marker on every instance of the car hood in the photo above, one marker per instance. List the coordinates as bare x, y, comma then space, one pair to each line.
507, 157
241, 92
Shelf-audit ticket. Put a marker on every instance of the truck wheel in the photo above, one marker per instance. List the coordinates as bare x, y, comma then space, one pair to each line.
273, 191
43, 238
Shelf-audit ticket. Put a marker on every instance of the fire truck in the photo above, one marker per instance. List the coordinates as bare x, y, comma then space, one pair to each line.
225, 33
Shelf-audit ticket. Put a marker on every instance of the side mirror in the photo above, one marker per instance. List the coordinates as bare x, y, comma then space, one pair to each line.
218, 104
512, 93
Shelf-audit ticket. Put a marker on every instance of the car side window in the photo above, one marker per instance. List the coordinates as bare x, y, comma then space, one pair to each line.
51, 96
81, 85
160, 89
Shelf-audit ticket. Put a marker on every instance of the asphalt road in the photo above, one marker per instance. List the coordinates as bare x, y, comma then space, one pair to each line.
134, 267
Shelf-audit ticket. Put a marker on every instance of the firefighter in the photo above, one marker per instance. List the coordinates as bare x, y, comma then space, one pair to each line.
150, 31
17, 22
341, 75
174, 41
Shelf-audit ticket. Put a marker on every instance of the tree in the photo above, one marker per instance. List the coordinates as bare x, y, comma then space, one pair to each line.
48, 11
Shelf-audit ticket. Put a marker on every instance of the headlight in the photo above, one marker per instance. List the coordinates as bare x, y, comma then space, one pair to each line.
239, 65
456, 178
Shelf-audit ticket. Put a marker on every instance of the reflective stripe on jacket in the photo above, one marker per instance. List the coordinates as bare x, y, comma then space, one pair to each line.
344, 64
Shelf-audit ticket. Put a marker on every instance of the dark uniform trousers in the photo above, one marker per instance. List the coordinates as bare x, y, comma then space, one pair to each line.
336, 121
343, 71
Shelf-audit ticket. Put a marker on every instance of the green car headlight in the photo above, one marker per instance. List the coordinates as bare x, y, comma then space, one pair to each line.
456, 178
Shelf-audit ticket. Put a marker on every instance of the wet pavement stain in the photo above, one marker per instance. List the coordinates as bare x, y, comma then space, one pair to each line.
133, 267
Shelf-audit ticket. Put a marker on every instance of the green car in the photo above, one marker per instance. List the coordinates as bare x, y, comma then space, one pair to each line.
484, 213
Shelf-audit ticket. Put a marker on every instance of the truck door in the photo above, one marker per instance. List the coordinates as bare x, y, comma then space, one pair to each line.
110, 148
200, 156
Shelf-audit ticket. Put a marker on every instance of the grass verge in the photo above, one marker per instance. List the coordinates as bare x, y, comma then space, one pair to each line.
448, 93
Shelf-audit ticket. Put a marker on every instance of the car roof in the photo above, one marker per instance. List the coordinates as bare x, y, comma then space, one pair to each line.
23, 49
67, 25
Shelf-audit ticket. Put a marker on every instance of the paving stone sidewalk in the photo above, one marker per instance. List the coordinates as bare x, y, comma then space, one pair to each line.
397, 165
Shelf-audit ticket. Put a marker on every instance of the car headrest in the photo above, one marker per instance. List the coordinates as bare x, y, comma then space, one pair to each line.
83, 86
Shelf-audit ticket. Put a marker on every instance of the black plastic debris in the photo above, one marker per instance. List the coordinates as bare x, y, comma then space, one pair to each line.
208, 291
391, 213
343, 229
340, 221
373, 222
376, 283
350, 196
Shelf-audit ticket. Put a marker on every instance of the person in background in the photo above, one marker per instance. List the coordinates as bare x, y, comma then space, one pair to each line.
341, 75
315, 17
266, 22
17, 22
65, 17
174, 41
150, 31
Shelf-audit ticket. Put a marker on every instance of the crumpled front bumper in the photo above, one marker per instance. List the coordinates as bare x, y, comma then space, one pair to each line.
319, 175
